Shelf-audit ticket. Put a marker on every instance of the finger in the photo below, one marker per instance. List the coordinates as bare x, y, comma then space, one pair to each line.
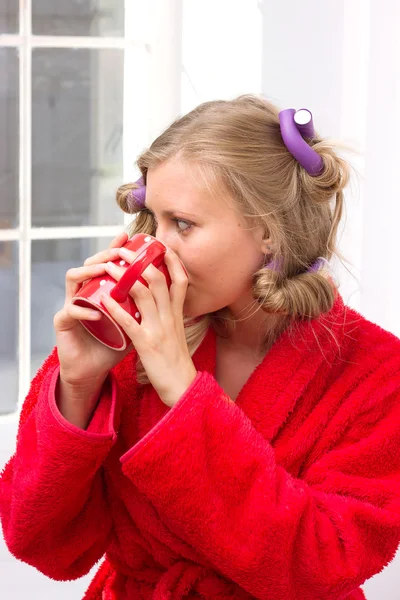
146, 304
114, 270
102, 256
67, 317
126, 254
141, 294
121, 316
158, 286
110, 253
75, 277
179, 283
119, 240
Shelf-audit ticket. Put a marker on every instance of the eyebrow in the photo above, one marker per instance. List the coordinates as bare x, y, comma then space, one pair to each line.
171, 213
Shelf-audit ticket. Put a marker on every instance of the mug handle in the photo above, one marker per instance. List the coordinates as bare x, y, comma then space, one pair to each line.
121, 290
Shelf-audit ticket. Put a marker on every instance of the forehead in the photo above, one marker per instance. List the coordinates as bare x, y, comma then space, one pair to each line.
183, 186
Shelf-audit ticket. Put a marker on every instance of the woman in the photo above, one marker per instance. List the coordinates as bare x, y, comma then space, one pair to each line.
248, 444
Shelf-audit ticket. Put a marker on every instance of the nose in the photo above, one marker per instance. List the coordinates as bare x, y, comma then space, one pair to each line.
168, 241
165, 238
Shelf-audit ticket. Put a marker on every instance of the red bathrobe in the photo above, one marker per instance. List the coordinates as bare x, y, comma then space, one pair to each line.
290, 493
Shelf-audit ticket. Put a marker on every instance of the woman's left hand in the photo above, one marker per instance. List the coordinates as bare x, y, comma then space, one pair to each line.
160, 338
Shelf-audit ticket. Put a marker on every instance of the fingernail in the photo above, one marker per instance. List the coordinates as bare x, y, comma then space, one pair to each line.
124, 252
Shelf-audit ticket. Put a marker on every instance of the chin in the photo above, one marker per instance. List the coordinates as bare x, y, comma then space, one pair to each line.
190, 312
192, 309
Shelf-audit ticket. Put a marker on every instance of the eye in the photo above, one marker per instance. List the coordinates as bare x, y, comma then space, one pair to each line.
177, 221
189, 225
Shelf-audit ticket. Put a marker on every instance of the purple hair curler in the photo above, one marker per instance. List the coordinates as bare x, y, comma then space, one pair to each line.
137, 197
276, 263
294, 126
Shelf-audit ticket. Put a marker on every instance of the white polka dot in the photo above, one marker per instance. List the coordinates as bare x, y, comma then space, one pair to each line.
137, 315
122, 262
103, 282
148, 239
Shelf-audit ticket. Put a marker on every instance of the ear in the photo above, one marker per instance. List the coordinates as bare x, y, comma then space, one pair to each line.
266, 246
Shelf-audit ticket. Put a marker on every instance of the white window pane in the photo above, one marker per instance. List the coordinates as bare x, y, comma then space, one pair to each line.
9, 99
8, 16
76, 136
78, 17
8, 326
51, 259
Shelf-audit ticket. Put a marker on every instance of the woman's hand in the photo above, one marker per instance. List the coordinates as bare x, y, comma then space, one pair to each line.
160, 338
85, 362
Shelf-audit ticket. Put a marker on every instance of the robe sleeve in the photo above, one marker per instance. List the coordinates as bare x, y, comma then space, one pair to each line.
53, 504
214, 478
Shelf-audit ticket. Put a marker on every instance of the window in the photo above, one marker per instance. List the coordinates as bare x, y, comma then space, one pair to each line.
62, 157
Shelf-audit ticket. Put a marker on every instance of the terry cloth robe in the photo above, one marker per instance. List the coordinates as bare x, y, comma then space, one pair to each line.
290, 493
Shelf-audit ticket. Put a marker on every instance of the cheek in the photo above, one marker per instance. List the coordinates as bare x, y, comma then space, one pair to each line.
224, 265
219, 281
199, 265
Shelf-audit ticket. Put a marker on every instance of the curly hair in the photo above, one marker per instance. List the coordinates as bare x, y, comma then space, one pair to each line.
238, 146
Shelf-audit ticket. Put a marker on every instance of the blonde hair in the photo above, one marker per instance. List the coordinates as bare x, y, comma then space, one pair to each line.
238, 146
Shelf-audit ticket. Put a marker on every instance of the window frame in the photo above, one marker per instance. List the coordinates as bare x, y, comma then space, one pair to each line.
136, 60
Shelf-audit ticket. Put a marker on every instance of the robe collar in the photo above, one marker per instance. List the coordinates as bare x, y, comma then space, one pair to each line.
271, 391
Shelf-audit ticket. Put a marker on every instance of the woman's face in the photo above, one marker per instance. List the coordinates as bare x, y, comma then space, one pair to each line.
211, 238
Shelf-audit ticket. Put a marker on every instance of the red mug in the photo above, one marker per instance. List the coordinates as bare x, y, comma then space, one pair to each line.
106, 330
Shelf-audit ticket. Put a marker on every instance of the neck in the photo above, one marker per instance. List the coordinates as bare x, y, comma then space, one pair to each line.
254, 335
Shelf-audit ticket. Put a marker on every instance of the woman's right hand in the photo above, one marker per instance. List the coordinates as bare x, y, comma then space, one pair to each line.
84, 361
